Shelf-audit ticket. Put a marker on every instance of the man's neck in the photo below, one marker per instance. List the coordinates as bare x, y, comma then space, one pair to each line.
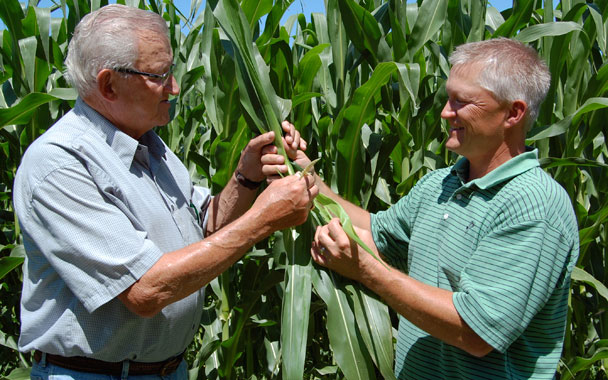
480, 166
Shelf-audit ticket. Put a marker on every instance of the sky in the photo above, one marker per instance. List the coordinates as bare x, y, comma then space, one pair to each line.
318, 6
298, 6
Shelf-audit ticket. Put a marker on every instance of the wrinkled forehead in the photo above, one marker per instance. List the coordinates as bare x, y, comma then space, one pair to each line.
472, 70
154, 49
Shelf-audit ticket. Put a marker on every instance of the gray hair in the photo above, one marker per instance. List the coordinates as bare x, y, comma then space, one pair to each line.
511, 71
107, 38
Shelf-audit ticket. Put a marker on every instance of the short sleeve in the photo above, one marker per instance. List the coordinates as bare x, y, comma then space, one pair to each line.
510, 278
88, 240
392, 228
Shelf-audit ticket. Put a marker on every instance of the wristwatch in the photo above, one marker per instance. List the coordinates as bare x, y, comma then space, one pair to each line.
244, 181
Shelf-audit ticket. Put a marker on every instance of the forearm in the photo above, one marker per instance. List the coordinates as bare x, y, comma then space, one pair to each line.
428, 307
232, 202
358, 216
180, 273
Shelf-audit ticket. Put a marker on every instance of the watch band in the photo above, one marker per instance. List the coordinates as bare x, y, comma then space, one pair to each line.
244, 181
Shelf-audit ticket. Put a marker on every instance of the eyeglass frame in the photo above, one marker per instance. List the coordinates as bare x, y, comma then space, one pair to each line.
164, 78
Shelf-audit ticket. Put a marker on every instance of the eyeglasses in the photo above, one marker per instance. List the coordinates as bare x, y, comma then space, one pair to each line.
163, 78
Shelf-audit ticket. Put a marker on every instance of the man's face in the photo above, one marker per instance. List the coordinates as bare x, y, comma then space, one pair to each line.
475, 117
144, 101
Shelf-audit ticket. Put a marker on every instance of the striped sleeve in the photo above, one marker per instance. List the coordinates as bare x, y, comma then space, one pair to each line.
521, 265
509, 280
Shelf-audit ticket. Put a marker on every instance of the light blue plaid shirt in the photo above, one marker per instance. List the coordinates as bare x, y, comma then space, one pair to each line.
97, 209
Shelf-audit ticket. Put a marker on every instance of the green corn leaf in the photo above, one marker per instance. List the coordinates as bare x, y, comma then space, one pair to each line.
431, 17
339, 51
28, 46
64, 93
273, 20
255, 9
19, 374
328, 209
362, 29
296, 301
536, 32
581, 275
374, 323
7, 264
351, 119
346, 341
304, 97
43, 17
258, 97
591, 104
522, 10
22, 111
226, 153
579, 363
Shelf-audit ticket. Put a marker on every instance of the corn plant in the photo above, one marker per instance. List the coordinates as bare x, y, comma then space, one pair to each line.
364, 84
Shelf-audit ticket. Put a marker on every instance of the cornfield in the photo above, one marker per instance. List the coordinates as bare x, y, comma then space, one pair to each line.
364, 84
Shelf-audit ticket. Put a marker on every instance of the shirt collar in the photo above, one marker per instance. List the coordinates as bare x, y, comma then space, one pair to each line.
515, 166
122, 144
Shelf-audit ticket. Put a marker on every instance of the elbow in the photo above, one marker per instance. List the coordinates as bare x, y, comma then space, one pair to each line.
477, 347
480, 352
140, 302
144, 311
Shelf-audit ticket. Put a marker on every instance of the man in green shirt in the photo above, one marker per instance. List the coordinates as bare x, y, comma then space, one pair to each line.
483, 250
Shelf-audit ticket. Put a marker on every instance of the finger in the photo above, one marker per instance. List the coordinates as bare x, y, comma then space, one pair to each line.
270, 149
274, 170
271, 178
315, 238
289, 129
313, 191
334, 229
309, 179
318, 256
272, 159
261, 140
295, 141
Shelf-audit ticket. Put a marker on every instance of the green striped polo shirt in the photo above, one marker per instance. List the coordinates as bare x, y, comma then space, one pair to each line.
505, 244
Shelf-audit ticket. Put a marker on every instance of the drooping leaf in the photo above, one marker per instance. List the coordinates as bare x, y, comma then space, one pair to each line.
348, 347
21, 112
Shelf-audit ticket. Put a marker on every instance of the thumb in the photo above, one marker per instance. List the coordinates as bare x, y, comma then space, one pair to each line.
262, 140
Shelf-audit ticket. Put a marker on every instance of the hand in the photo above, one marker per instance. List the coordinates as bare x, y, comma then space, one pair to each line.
250, 164
274, 163
286, 202
334, 249
292, 141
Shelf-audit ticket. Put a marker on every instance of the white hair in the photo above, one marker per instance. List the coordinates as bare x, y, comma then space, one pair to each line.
510, 70
107, 38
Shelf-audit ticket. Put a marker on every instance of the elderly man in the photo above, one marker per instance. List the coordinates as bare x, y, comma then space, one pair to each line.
483, 250
119, 242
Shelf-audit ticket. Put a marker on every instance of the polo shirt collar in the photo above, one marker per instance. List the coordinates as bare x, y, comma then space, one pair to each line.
122, 144
512, 168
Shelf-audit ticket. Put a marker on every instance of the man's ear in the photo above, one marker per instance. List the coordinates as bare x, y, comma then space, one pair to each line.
517, 113
106, 84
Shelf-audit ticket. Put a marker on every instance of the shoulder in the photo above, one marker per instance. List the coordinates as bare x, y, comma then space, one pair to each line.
51, 150
535, 195
433, 180
49, 153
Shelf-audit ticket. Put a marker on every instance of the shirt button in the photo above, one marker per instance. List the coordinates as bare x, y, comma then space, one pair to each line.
445, 216
459, 196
